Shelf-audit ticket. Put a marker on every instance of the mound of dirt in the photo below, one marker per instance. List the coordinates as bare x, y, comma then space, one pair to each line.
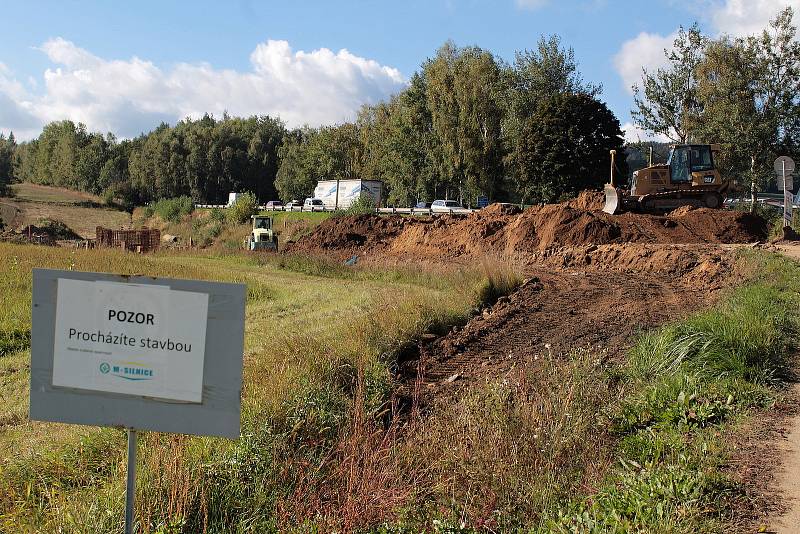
706, 266
588, 200
46, 231
555, 312
351, 233
503, 230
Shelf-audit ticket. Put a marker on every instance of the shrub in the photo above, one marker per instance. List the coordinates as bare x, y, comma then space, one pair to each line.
121, 195
240, 211
362, 205
173, 209
56, 229
501, 277
217, 215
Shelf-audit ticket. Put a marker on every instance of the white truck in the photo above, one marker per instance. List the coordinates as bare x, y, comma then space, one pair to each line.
348, 192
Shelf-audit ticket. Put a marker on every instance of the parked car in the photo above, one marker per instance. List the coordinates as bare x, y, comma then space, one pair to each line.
423, 205
314, 204
274, 204
293, 204
446, 205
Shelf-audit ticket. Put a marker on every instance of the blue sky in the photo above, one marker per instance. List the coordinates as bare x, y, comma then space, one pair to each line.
124, 66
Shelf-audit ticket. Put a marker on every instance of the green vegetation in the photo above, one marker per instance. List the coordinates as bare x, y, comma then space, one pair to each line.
240, 211
318, 351
682, 384
7, 147
170, 209
320, 449
360, 206
710, 87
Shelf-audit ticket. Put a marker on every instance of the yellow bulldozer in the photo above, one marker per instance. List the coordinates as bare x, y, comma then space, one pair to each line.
689, 178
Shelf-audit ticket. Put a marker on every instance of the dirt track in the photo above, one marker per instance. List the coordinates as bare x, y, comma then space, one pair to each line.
559, 310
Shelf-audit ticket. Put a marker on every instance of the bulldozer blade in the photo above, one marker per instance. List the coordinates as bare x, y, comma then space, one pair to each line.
613, 204
264, 245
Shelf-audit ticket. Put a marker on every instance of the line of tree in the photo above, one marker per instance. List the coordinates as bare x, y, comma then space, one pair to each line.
467, 125
743, 93
204, 159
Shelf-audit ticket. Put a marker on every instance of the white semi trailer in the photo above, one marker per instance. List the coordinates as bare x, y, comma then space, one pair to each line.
348, 192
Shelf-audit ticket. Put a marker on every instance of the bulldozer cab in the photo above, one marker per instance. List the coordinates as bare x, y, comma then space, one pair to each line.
262, 223
686, 160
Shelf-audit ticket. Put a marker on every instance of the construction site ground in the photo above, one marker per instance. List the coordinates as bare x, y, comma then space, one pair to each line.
593, 280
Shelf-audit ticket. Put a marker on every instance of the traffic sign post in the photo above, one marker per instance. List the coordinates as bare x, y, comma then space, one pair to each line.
784, 167
138, 353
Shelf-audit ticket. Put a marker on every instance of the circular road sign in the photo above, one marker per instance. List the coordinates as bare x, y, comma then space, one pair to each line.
784, 161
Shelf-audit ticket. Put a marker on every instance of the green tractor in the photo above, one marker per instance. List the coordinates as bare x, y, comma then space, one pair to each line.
262, 236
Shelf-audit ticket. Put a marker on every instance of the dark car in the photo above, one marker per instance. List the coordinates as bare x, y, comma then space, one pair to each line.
423, 205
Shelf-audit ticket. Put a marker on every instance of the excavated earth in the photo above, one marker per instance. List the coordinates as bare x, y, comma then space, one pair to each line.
507, 231
592, 280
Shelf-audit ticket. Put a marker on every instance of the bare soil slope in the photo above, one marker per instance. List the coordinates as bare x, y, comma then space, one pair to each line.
599, 306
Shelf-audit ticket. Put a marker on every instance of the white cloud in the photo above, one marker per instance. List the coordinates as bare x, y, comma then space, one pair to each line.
746, 17
131, 96
733, 17
532, 4
634, 134
646, 50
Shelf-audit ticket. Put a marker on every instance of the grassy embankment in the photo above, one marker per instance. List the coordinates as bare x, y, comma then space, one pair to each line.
80, 211
584, 445
319, 342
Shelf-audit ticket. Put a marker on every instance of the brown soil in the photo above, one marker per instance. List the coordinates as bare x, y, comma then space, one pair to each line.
598, 306
503, 230
595, 279
588, 200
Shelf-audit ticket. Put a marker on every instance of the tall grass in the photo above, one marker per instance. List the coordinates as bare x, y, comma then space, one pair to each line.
319, 345
564, 443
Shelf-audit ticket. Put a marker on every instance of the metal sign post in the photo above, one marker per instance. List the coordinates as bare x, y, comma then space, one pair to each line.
784, 166
130, 491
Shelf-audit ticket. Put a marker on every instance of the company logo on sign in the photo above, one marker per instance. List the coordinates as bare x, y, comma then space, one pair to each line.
132, 371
